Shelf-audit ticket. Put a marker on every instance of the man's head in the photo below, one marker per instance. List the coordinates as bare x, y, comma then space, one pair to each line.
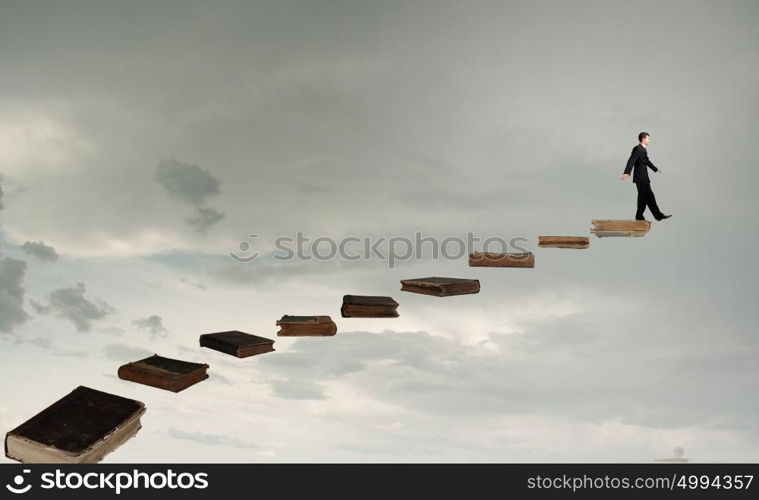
644, 138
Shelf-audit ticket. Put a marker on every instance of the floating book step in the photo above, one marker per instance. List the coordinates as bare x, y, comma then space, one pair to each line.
306, 326
605, 227
236, 343
441, 287
488, 259
164, 373
366, 306
81, 427
578, 242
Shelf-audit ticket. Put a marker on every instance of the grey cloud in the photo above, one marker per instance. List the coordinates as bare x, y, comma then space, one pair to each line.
123, 352
216, 377
266, 268
12, 312
186, 181
1, 197
70, 303
570, 366
153, 325
298, 389
204, 218
40, 250
210, 439
196, 284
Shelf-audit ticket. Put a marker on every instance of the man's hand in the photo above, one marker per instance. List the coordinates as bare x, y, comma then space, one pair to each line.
658, 171
624, 176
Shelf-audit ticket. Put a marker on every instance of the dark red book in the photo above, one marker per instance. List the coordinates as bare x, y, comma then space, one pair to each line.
441, 287
368, 306
306, 326
236, 343
164, 373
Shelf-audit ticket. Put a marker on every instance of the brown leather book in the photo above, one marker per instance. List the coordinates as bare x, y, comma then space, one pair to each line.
607, 227
368, 306
489, 259
81, 427
236, 343
441, 287
164, 373
578, 242
306, 326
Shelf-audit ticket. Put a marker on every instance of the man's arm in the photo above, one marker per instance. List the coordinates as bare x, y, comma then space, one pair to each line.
633, 158
652, 166
628, 168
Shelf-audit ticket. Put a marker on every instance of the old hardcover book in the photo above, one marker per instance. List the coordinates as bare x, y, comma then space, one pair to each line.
306, 326
563, 242
605, 227
367, 306
237, 343
81, 427
441, 287
165, 373
488, 259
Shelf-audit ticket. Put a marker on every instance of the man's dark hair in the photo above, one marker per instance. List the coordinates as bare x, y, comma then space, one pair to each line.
642, 135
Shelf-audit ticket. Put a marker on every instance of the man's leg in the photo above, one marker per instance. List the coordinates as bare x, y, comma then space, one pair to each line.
652, 204
642, 199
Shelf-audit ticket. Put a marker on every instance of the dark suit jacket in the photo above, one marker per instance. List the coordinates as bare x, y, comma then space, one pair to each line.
639, 160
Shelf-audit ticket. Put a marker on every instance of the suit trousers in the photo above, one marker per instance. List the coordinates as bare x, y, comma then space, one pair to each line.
646, 197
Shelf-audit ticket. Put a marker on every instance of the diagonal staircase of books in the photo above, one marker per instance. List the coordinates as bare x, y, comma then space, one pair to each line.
103, 421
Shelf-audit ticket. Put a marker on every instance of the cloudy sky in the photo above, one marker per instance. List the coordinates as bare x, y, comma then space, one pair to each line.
142, 142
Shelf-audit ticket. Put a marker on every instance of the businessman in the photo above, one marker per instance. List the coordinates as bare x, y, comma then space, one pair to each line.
640, 163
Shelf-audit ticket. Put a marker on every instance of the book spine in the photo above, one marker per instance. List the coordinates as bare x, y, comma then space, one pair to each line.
216, 345
131, 373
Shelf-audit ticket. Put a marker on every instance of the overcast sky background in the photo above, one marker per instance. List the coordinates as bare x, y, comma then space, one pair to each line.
141, 142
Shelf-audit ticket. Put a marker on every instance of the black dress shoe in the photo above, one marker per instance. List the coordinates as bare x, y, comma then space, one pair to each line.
664, 217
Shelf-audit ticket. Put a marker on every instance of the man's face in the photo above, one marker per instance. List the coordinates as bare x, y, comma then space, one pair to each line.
646, 139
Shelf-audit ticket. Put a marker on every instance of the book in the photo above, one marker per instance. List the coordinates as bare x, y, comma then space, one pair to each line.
606, 227
367, 306
306, 326
441, 287
164, 373
563, 242
81, 427
236, 343
488, 259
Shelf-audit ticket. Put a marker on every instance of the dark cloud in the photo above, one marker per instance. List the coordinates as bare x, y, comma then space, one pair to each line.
187, 182
12, 293
40, 250
70, 303
204, 218
153, 325
210, 439
193, 185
